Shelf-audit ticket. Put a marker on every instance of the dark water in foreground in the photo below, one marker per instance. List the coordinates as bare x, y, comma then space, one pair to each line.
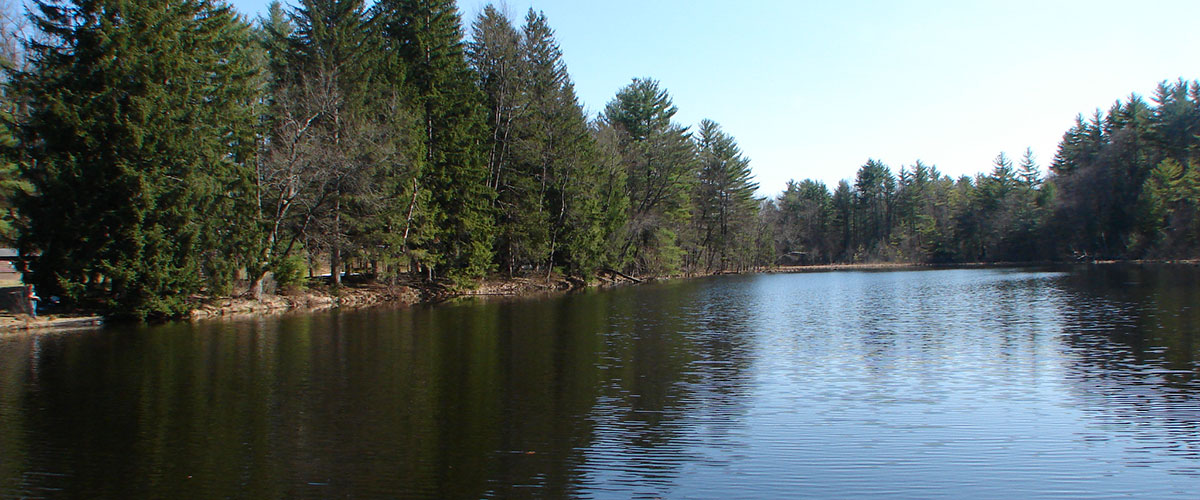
932, 384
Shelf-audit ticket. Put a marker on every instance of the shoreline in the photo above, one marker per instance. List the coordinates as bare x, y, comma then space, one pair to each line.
316, 299
895, 266
22, 323
351, 297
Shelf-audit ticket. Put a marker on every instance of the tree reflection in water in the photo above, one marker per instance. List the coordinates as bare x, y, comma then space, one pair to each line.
980, 382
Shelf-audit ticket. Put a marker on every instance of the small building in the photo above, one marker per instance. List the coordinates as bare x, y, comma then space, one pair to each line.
14, 294
10, 275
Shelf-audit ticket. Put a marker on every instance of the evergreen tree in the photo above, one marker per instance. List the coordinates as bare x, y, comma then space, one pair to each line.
274, 30
1119, 187
914, 208
843, 218
805, 223
660, 162
1169, 210
936, 229
1080, 145
1098, 193
612, 190
541, 150
1175, 121
557, 150
1003, 175
724, 196
968, 220
1028, 172
495, 53
329, 176
12, 184
1020, 242
1132, 113
141, 145
501, 57
994, 207
427, 36
874, 188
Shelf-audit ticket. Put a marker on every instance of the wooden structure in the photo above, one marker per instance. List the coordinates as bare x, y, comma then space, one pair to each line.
10, 266
14, 293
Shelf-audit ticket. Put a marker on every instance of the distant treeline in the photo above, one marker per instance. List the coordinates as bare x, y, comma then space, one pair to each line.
1123, 185
160, 151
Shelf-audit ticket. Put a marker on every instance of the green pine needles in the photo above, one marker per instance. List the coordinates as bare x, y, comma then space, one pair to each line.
141, 147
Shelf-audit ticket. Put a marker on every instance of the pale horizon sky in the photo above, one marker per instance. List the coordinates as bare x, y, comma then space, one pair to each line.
814, 89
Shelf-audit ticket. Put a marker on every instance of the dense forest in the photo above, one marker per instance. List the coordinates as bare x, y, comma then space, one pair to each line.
1123, 185
154, 152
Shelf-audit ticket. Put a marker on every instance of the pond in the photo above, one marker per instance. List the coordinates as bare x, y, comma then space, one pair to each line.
1077, 382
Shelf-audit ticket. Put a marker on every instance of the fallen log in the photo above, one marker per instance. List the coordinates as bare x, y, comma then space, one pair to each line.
614, 272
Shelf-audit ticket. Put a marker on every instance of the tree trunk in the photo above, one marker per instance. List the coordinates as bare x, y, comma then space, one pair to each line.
256, 286
335, 250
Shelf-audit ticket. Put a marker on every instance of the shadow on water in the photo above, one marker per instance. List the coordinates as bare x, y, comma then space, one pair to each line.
467, 400
903, 384
1133, 333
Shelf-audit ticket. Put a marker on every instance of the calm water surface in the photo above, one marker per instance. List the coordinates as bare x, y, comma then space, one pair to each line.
1074, 383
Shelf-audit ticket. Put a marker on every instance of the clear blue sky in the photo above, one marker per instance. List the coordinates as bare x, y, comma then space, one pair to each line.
814, 89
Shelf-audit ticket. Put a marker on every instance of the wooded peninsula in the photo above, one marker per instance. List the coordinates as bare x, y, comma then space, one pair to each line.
155, 153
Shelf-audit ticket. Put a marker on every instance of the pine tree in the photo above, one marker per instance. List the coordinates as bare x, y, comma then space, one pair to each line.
559, 151
660, 162
141, 145
1028, 172
12, 184
843, 217
272, 34
874, 189
427, 36
495, 53
612, 185
1079, 146
1175, 121
724, 195
1132, 113
500, 57
914, 221
1026, 210
1169, 210
579, 229
337, 174
1003, 173
805, 221
325, 140
994, 207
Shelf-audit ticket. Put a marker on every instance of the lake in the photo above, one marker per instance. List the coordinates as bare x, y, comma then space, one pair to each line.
1076, 382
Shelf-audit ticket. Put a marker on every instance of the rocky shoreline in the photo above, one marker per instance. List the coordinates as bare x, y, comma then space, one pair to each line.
319, 298
11, 323
372, 295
